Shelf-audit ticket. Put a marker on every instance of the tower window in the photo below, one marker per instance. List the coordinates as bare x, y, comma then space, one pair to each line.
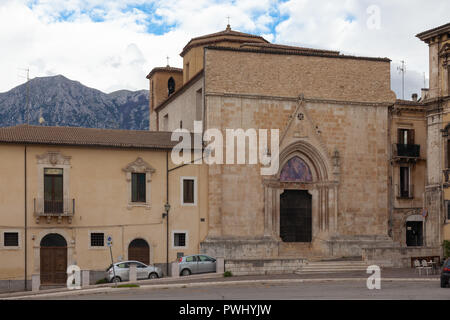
171, 86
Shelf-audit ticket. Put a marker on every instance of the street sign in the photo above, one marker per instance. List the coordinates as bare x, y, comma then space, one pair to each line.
109, 241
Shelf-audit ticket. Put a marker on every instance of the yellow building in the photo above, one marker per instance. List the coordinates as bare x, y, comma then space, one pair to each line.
64, 190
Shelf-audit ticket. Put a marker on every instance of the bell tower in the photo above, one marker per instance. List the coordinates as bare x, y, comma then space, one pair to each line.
163, 82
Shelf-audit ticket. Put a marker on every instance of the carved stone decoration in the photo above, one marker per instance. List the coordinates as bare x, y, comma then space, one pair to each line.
139, 166
444, 53
53, 158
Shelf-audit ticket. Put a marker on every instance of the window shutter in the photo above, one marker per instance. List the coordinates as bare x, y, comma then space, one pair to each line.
411, 136
399, 136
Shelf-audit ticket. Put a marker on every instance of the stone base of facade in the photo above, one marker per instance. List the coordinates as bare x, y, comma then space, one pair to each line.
350, 246
240, 248
398, 257
14, 285
241, 267
262, 248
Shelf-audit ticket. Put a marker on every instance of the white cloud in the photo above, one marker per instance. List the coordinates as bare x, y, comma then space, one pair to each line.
107, 44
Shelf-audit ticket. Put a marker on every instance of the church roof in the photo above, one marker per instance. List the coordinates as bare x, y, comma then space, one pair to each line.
163, 69
87, 137
287, 48
426, 35
230, 35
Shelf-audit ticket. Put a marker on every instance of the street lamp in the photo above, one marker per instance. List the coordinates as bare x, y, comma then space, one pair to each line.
166, 215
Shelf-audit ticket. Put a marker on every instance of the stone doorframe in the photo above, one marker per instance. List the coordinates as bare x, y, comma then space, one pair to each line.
37, 248
324, 191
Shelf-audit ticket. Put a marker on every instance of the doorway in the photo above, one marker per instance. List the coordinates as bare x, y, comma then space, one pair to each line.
53, 256
296, 216
139, 250
414, 233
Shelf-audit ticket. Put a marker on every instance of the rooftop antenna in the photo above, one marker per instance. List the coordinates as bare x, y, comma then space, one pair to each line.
168, 61
402, 69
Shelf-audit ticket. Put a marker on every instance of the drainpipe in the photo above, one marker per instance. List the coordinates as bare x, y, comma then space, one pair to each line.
166, 207
25, 221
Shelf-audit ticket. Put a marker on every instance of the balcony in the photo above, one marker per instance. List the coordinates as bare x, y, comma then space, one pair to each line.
411, 151
54, 208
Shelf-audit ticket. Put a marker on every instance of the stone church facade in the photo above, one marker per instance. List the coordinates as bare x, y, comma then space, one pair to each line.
334, 113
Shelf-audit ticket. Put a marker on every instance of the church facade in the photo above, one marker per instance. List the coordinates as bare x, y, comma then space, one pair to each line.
352, 180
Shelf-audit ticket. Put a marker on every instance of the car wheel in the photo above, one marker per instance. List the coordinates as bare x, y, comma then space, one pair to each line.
153, 276
185, 272
116, 279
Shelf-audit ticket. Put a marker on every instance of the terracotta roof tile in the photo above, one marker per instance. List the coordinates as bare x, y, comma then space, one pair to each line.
76, 136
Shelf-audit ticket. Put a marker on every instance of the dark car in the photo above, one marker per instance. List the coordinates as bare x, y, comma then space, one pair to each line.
445, 274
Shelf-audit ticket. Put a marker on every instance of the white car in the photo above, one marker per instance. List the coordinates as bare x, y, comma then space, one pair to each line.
122, 271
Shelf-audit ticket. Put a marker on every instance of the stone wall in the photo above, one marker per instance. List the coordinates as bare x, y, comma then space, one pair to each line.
263, 266
288, 75
398, 257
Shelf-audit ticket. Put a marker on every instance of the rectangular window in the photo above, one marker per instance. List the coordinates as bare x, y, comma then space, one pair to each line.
406, 136
11, 239
448, 153
448, 210
404, 182
179, 239
53, 190
188, 191
198, 105
97, 239
166, 122
138, 187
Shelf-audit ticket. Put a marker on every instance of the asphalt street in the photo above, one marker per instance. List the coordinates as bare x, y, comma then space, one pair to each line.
353, 289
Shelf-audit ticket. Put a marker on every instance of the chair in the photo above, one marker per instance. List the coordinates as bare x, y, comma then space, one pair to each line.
418, 266
426, 266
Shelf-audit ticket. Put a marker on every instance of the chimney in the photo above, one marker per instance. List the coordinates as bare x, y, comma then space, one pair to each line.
424, 94
414, 97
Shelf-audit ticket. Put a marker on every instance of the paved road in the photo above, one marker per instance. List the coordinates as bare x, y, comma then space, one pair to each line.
315, 290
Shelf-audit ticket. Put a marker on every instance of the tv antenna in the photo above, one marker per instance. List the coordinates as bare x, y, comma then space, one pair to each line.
402, 70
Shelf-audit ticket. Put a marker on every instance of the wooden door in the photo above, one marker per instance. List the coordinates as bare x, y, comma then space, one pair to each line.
296, 216
139, 250
53, 265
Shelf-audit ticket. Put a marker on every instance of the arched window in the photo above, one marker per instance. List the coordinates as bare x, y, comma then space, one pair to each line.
171, 86
296, 170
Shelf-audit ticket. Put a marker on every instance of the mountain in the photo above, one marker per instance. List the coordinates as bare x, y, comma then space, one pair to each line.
63, 102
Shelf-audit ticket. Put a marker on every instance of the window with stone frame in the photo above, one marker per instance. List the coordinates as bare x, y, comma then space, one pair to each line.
97, 239
179, 239
10, 239
138, 176
138, 187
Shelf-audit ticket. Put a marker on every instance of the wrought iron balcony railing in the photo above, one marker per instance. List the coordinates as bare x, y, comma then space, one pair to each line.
54, 208
406, 150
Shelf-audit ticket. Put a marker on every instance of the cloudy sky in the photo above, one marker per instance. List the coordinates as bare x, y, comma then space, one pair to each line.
111, 45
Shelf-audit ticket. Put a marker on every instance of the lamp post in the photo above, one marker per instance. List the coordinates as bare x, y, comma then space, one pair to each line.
166, 215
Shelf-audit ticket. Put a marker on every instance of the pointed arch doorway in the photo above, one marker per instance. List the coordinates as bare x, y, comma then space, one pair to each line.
53, 259
296, 216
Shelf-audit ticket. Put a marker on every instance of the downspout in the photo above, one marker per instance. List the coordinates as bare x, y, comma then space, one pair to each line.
167, 213
25, 220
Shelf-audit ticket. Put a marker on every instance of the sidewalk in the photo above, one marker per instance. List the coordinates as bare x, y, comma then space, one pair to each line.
387, 274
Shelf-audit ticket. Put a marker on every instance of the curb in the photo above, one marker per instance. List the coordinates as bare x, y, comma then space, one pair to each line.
206, 284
